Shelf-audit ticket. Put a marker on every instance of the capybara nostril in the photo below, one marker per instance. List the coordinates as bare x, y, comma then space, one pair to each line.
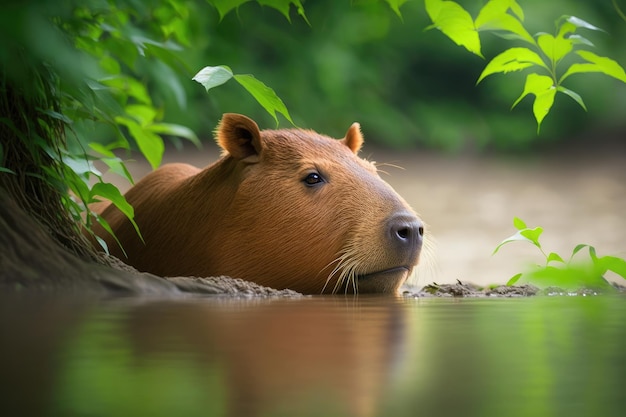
406, 231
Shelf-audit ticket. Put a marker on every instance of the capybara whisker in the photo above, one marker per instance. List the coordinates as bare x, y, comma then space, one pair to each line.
280, 208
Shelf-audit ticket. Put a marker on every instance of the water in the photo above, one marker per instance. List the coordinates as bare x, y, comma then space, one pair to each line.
318, 356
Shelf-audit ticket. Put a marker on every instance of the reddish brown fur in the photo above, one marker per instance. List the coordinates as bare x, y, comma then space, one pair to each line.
250, 215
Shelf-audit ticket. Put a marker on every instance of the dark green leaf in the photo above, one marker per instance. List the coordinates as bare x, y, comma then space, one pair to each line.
150, 144
573, 95
175, 130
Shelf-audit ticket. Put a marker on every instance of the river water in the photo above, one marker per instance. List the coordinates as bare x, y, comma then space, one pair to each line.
317, 356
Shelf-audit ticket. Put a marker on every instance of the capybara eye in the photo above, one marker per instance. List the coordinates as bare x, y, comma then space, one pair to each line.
313, 179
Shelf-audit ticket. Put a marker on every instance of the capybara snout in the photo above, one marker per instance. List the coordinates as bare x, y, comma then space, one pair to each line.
284, 208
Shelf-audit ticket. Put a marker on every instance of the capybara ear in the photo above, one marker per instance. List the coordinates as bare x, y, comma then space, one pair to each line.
354, 138
239, 136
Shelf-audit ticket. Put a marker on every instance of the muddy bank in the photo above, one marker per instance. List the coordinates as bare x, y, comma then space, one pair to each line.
31, 260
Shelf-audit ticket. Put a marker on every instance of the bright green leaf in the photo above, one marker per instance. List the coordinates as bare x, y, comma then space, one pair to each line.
573, 95
514, 279
455, 22
517, 237
519, 223
554, 257
543, 88
264, 95
578, 248
494, 16
614, 264
211, 77
513, 59
596, 63
533, 235
554, 48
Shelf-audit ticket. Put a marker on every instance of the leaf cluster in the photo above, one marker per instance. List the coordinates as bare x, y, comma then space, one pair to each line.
558, 272
548, 56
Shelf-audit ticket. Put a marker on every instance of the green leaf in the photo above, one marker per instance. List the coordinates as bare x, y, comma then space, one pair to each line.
513, 59
579, 40
614, 264
211, 77
117, 166
533, 235
578, 248
517, 237
105, 225
175, 130
519, 223
395, 6
554, 48
283, 7
111, 193
514, 279
596, 63
142, 113
554, 257
455, 22
264, 95
150, 144
543, 88
225, 6
577, 23
573, 95
494, 16
128, 86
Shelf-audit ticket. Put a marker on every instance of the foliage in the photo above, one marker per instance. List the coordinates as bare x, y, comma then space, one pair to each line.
112, 64
211, 77
542, 52
558, 272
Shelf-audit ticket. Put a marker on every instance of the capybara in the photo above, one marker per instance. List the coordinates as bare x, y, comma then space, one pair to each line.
286, 208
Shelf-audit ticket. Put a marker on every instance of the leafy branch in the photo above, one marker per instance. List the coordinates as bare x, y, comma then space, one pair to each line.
543, 53
558, 272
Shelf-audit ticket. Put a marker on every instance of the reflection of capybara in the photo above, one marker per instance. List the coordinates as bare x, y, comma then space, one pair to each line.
283, 208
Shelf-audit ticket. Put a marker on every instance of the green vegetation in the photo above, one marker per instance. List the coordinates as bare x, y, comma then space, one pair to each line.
569, 274
543, 54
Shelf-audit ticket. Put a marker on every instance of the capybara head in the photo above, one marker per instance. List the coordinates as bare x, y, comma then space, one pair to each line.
284, 208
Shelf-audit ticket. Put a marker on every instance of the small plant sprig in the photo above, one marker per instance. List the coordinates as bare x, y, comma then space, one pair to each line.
558, 272
542, 53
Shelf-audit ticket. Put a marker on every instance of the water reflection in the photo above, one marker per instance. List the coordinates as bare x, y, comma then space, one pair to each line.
364, 356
